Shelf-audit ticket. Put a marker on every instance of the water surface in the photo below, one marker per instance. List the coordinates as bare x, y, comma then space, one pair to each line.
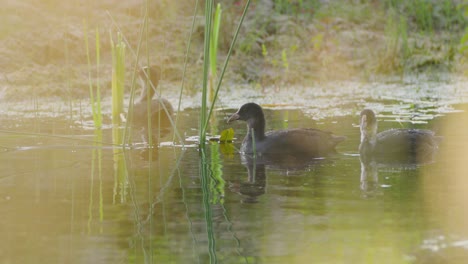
68, 196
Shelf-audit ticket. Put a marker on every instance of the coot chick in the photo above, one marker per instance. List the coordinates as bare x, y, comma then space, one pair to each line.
298, 142
395, 145
161, 109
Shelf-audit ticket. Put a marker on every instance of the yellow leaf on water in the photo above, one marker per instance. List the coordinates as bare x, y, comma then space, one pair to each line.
227, 149
227, 135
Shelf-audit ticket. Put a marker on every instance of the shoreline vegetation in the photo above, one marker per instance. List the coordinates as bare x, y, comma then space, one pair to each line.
281, 43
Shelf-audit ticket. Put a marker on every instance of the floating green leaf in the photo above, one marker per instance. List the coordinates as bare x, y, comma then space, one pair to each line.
227, 135
227, 149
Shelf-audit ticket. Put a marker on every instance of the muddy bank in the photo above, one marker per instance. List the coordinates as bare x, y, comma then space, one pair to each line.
43, 49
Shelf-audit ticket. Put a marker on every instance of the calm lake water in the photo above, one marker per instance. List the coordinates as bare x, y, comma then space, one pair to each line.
68, 196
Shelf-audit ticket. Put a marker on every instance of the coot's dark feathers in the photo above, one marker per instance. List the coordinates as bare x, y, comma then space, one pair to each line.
307, 141
401, 145
405, 140
300, 142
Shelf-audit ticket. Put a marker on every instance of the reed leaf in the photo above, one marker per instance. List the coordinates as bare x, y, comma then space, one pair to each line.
206, 65
220, 79
95, 103
137, 66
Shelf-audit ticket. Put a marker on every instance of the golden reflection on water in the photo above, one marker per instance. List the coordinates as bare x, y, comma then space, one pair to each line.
446, 188
69, 204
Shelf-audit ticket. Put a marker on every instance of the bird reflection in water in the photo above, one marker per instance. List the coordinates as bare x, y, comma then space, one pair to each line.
397, 148
256, 183
369, 178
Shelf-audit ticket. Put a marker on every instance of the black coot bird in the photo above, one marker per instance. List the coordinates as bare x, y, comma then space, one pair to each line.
160, 109
302, 143
395, 145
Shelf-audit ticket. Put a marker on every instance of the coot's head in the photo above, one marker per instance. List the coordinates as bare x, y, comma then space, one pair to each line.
153, 74
368, 124
251, 113
248, 112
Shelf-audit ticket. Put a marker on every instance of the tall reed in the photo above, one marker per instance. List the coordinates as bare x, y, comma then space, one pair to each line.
205, 120
136, 67
118, 81
206, 69
214, 49
148, 83
211, 178
95, 98
216, 181
95, 101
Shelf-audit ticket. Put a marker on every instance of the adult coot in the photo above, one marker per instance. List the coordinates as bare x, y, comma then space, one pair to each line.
299, 142
160, 109
399, 145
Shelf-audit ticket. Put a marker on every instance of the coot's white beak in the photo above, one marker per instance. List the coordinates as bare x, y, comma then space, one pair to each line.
234, 117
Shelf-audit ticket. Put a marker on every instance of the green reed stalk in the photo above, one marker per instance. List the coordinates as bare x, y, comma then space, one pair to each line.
136, 54
213, 63
96, 157
95, 103
221, 76
216, 181
214, 48
118, 81
97, 112
204, 170
205, 185
206, 65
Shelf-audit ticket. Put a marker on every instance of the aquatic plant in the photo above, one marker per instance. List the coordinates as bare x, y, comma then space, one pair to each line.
118, 81
136, 54
226, 135
212, 183
204, 117
216, 181
214, 49
95, 96
206, 65
96, 157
